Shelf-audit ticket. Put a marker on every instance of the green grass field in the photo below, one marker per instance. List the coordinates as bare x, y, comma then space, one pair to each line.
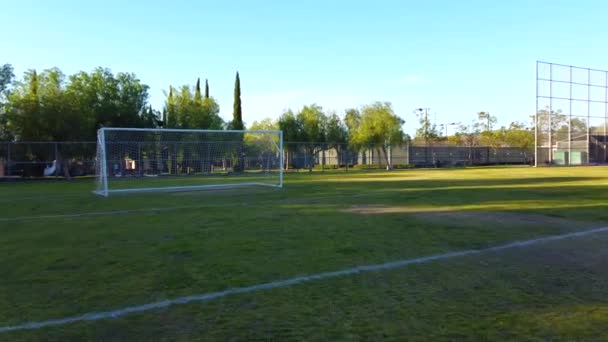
132, 249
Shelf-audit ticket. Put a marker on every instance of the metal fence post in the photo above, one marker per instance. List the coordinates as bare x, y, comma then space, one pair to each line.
347, 152
323, 146
487, 155
56, 160
175, 159
139, 165
8, 159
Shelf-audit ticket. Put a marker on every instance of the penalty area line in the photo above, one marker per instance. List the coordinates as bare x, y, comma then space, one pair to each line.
94, 316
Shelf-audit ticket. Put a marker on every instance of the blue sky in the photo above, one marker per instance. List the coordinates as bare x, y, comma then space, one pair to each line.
456, 57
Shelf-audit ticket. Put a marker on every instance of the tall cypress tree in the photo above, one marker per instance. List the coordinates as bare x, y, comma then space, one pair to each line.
237, 123
171, 115
237, 115
34, 84
206, 89
197, 93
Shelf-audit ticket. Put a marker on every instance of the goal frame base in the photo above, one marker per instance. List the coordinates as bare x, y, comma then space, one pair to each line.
106, 193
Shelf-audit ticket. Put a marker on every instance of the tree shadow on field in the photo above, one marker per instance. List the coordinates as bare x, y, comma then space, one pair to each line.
546, 195
383, 182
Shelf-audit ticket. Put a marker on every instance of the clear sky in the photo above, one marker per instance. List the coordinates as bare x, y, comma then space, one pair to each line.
456, 57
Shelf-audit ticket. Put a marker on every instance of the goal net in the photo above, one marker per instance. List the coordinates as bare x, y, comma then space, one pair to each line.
138, 159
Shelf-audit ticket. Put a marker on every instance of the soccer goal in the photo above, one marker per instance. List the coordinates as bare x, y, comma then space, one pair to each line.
139, 159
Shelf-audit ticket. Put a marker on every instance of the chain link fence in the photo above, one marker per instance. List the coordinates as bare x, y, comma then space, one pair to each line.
74, 159
342, 156
50, 159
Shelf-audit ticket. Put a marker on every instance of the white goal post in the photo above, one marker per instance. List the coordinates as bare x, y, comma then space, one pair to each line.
141, 159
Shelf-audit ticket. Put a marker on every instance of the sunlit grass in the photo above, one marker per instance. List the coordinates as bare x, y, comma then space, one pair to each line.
182, 243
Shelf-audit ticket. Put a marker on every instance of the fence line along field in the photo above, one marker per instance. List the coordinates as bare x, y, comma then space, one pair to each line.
66, 252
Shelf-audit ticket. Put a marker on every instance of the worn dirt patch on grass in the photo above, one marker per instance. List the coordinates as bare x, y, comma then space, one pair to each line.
446, 215
220, 190
500, 218
384, 209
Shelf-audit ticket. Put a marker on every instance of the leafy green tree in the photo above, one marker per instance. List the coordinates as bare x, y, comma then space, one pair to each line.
308, 126
258, 144
52, 107
551, 121
336, 135
267, 124
576, 126
466, 134
110, 100
336, 130
185, 101
288, 123
313, 125
380, 127
41, 109
291, 127
186, 108
479, 133
151, 117
6, 79
518, 135
103, 99
352, 120
208, 115
170, 110
407, 139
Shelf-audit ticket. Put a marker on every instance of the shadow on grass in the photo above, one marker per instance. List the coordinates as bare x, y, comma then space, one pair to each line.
440, 183
544, 195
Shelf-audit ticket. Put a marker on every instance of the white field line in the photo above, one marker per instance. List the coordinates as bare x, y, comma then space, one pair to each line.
94, 316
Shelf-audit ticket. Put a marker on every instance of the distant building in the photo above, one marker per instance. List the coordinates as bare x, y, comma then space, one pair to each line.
580, 150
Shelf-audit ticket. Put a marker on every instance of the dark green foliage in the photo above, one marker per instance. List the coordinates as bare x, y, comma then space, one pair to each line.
185, 108
198, 98
6, 79
237, 114
50, 107
427, 131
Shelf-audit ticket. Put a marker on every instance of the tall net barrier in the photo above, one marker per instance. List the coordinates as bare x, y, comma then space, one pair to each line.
571, 115
130, 160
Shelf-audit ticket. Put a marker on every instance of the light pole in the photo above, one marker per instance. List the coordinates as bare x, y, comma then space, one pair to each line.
486, 116
446, 127
425, 112
389, 148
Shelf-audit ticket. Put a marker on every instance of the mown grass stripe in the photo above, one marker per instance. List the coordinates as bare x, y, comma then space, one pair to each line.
94, 316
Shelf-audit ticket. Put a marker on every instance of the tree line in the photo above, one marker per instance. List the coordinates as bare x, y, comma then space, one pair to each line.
51, 106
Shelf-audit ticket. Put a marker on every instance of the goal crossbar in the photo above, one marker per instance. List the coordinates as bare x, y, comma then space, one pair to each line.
176, 130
